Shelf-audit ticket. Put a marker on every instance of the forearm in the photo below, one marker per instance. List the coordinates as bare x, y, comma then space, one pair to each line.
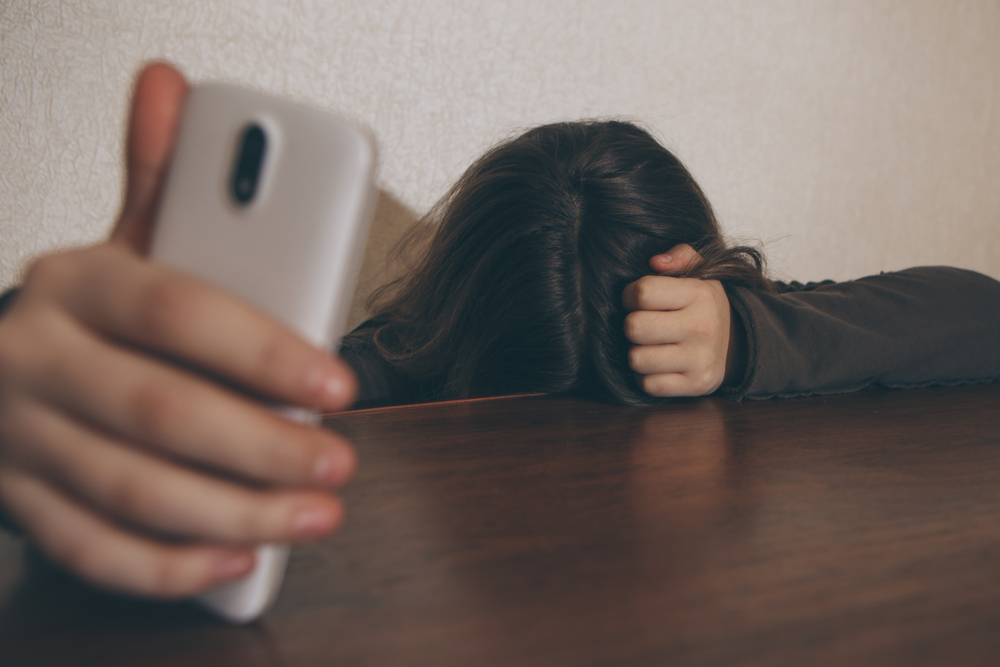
930, 325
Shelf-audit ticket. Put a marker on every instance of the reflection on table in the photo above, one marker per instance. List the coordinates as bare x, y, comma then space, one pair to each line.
855, 529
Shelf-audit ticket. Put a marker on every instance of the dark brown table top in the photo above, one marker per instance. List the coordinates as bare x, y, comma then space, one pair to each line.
841, 530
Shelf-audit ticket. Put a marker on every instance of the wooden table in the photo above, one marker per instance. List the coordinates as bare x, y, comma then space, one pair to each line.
843, 530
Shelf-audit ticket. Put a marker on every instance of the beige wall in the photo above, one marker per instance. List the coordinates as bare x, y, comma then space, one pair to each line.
851, 137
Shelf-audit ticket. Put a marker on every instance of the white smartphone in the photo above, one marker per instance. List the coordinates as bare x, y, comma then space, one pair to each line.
270, 201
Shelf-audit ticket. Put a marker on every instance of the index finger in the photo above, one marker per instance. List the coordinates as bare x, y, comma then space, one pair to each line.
659, 293
156, 308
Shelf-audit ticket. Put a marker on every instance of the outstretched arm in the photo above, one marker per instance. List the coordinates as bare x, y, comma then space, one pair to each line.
922, 326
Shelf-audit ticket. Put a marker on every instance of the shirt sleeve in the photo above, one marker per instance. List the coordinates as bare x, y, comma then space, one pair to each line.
919, 327
7, 298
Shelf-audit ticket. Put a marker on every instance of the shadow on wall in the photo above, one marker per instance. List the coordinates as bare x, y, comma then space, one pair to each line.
380, 264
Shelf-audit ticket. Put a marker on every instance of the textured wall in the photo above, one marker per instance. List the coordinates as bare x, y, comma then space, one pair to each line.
851, 136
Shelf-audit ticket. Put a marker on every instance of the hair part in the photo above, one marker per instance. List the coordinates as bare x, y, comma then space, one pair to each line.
519, 289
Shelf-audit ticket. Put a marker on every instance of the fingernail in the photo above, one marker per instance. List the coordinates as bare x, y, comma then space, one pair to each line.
233, 565
325, 386
334, 388
666, 258
312, 522
328, 468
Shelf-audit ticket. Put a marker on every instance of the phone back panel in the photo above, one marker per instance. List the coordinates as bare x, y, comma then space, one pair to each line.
294, 251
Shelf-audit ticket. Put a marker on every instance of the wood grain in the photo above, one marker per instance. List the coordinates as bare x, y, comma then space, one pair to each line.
856, 529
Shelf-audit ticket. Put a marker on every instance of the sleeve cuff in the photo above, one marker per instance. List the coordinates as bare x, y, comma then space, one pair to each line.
7, 298
737, 299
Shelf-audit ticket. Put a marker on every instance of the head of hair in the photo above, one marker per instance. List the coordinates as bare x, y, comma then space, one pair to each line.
519, 288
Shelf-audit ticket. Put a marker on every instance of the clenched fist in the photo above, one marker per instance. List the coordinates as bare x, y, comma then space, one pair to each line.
685, 339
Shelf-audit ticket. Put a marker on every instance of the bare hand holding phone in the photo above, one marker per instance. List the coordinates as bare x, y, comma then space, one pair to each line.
118, 458
271, 202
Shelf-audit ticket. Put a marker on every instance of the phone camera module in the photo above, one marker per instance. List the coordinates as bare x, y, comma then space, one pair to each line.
250, 152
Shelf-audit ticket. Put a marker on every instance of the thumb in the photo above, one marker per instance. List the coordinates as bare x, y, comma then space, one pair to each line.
679, 259
157, 102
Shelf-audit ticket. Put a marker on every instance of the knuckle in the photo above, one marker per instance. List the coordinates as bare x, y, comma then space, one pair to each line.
254, 522
276, 360
156, 409
168, 577
687, 253
33, 351
271, 355
702, 358
698, 331
49, 272
167, 309
132, 497
288, 458
705, 382
707, 289
645, 288
704, 328
635, 358
632, 326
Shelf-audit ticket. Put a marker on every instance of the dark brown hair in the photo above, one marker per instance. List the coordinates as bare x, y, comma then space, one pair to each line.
519, 290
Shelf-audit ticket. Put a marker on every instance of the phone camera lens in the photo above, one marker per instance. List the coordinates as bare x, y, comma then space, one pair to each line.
250, 152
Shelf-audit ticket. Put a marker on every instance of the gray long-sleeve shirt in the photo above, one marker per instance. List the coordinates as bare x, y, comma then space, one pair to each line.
922, 326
